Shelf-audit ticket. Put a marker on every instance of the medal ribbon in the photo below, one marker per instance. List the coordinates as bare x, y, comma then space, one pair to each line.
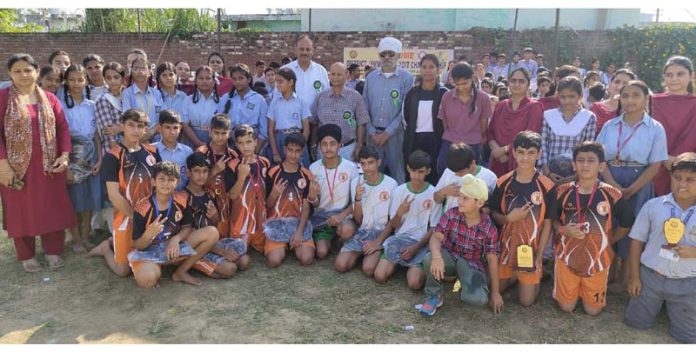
688, 215
169, 211
332, 184
620, 146
583, 216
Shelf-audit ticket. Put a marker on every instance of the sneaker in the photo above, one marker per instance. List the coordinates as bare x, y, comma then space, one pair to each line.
430, 306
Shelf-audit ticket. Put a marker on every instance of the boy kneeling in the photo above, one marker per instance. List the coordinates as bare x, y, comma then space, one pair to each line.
465, 233
288, 206
662, 256
162, 232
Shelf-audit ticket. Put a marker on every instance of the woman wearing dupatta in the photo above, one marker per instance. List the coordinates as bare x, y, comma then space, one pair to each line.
511, 116
34, 150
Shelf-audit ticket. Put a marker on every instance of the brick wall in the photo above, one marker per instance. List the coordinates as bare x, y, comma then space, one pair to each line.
249, 47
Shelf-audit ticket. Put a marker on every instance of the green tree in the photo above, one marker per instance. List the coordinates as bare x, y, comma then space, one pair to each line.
8, 23
180, 22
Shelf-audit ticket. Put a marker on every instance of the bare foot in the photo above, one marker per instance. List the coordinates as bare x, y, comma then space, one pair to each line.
186, 278
54, 261
78, 248
100, 249
31, 265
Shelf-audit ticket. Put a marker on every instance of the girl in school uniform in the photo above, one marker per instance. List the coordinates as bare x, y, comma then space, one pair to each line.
166, 78
49, 79
140, 95
85, 158
60, 60
676, 110
288, 113
200, 107
94, 64
224, 83
244, 105
607, 109
108, 107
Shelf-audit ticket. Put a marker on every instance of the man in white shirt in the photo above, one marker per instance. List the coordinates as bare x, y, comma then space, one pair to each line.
312, 77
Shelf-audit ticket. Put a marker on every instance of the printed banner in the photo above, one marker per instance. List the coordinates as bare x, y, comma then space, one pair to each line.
410, 58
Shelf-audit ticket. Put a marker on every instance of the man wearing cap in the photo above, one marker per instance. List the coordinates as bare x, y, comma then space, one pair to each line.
462, 236
311, 76
384, 93
345, 108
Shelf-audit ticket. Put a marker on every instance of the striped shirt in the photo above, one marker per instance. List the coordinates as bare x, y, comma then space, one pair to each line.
346, 110
384, 98
106, 115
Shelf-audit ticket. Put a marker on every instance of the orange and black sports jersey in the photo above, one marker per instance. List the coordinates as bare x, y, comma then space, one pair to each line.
511, 194
248, 211
217, 186
178, 217
289, 204
199, 208
132, 171
593, 253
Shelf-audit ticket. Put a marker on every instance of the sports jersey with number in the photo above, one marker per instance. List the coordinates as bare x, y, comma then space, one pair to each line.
132, 171
218, 188
248, 211
335, 183
593, 253
511, 194
177, 218
289, 203
375, 201
423, 213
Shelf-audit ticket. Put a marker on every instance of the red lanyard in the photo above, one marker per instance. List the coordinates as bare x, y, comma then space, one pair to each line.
620, 146
583, 216
332, 184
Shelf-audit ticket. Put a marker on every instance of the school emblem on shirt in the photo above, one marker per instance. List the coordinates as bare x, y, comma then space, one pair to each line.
348, 116
150, 160
343, 177
427, 204
384, 196
178, 216
301, 183
250, 106
317, 85
536, 198
603, 208
394, 94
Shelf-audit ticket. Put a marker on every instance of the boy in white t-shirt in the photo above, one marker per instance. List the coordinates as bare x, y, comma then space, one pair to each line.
460, 160
371, 195
413, 213
334, 175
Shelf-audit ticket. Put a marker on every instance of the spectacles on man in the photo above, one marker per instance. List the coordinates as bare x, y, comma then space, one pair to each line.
387, 53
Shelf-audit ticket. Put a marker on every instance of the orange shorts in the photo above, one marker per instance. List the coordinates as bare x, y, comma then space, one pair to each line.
256, 241
569, 286
273, 245
507, 271
205, 266
123, 237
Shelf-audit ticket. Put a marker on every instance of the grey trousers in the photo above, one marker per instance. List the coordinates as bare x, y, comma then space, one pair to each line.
391, 154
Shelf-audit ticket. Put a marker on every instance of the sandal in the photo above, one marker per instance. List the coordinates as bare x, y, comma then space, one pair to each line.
54, 261
31, 265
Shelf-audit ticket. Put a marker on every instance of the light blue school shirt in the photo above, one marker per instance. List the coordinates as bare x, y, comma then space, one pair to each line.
177, 156
648, 144
80, 118
175, 102
649, 228
250, 110
384, 97
200, 113
149, 102
531, 66
288, 113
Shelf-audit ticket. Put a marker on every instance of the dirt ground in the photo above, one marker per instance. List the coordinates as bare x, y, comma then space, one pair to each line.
84, 303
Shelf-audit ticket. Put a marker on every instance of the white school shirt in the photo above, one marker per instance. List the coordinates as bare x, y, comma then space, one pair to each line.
423, 213
375, 201
337, 180
449, 177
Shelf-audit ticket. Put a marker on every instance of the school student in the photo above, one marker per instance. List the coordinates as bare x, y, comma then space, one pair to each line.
288, 113
662, 256
247, 186
460, 160
583, 213
60, 60
108, 108
127, 170
462, 238
551, 100
94, 65
244, 105
219, 154
510, 117
334, 175
49, 79
140, 95
223, 84
465, 112
166, 78
635, 145
162, 233
413, 213
675, 110
229, 254
169, 127
288, 206
200, 107
520, 206
85, 159
607, 109
270, 75
564, 128
184, 82
371, 195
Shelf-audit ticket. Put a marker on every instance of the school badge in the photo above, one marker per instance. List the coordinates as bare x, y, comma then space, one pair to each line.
603, 208
343, 177
178, 216
317, 86
301, 183
427, 204
536, 198
348, 116
384, 196
150, 160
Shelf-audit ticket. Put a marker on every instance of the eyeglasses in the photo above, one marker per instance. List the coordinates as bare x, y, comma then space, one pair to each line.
139, 69
387, 53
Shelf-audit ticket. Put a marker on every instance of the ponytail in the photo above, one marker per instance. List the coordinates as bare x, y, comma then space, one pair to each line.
69, 102
473, 100
88, 92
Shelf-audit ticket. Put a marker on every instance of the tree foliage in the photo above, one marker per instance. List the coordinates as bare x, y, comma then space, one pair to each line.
181, 22
8, 23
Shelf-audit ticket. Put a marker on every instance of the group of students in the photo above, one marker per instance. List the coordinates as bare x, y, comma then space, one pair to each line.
222, 187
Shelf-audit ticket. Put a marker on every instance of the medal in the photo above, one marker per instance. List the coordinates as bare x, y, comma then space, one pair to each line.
525, 258
331, 186
674, 228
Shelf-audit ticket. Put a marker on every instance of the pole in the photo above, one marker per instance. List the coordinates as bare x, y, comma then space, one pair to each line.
310, 20
657, 17
219, 26
555, 34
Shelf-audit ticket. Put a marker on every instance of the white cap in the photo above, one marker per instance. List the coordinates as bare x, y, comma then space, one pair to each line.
389, 43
